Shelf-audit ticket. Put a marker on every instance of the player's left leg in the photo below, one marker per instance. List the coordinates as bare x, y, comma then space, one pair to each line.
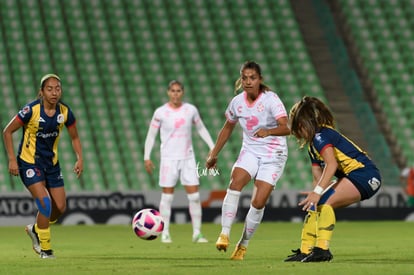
58, 196
194, 207
190, 181
261, 193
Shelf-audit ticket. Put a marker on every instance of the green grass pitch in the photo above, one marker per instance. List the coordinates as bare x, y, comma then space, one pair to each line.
358, 248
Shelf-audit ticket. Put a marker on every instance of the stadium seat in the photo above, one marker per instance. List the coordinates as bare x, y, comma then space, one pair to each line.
372, 25
117, 57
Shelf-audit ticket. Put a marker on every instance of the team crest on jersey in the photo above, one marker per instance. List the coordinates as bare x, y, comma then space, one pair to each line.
24, 111
30, 173
260, 107
60, 118
239, 109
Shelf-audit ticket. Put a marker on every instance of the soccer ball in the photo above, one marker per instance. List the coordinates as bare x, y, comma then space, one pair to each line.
147, 224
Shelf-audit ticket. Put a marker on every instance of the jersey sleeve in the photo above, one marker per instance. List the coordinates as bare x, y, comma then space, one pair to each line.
71, 119
230, 112
196, 115
156, 119
277, 107
25, 114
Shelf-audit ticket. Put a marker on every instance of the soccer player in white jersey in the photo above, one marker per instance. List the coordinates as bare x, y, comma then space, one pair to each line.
175, 120
263, 154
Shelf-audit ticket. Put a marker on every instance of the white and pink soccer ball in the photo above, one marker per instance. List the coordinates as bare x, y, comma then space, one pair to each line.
147, 224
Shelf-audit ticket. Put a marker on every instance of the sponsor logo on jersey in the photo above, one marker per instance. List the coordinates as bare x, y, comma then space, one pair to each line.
47, 135
374, 183
41, 119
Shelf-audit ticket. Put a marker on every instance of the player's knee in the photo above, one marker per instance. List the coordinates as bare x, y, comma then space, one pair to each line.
194, 197
61, 206
258, 204
44, 206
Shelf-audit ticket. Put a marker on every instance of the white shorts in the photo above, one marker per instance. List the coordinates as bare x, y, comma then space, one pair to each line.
265, 169
172, 170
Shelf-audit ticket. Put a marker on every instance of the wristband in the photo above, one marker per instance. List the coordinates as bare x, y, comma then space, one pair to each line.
318, 190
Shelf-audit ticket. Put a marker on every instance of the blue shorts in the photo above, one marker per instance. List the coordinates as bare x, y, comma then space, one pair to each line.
367, 180
31, 173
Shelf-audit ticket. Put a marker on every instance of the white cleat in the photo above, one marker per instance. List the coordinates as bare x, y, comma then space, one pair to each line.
200, 239
30, 230
47, 254
165, 238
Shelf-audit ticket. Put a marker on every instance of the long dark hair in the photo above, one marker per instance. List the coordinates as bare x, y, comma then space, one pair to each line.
254, 66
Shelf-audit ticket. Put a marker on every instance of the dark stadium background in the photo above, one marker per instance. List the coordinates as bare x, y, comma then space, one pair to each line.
116, 57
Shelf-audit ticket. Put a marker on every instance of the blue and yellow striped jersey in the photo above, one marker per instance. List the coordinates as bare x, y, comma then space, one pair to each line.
39, 143
348, 155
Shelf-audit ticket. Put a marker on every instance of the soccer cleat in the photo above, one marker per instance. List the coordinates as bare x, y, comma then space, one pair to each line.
165, 238
239, 252
318, 255
222, 242
30, 230
296, 257
47, 254
200, 239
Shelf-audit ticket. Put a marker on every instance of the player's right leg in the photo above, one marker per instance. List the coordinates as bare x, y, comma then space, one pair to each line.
168, 178
31, 232
308, 238
228, 214
239, 178
39, 233
165, 211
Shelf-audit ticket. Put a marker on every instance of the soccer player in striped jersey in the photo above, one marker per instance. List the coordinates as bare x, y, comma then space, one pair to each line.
263, 118
332, 156
175, 120
37, 161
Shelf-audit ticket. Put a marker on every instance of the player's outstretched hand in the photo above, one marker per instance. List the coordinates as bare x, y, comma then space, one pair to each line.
211, 162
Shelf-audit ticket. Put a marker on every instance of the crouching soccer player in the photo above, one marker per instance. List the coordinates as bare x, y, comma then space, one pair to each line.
332, 155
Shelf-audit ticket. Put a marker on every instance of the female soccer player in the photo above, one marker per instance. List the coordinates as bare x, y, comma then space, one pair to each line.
175, 120
263, 154
37, 159
332, 155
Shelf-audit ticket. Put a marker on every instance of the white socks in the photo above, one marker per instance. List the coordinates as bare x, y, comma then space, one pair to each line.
165, 210
194, 208
229, 210
253, 219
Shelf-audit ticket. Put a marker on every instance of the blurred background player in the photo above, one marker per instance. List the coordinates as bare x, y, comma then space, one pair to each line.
37, 159
263, 155
332, 155
407, 177
175, 120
